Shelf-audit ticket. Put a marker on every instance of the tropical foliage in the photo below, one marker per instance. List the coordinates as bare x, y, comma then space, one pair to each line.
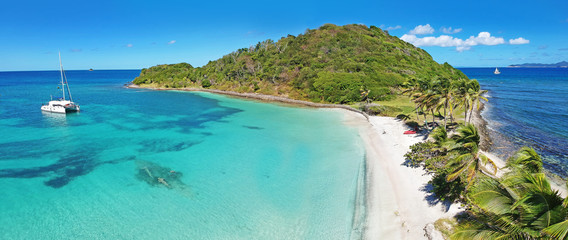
335, 64
442, 96
519, 205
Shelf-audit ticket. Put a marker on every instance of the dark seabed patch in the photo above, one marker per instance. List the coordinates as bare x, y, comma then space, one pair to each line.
253, 127
64, 170
15, 150
165, 145
159, 176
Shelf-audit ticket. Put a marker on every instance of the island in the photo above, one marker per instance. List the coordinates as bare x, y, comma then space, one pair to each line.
332, 64
563, 64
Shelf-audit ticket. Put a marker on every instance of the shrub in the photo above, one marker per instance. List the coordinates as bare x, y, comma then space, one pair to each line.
206, 83
444, 190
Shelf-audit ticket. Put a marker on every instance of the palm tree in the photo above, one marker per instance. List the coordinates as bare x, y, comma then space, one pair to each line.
521, 205
559, 230
411, 88
420, 92
527, 158
470, 160
463, 95
445, 91
428, 97
476, 95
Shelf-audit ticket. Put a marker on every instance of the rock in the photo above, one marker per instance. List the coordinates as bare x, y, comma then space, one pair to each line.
431, 233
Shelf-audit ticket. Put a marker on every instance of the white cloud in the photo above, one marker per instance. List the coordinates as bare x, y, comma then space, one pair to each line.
517, 41
422, 29
172, 42
129, 45
483, 38
393, 28
450, 30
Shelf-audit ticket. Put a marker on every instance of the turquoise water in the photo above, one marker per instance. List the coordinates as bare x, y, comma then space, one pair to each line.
241, 169
528, 107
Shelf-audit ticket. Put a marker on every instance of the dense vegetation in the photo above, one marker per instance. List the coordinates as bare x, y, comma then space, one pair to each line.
518, 205
334, 64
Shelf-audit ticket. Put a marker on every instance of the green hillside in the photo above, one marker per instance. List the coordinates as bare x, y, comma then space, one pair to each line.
334, 64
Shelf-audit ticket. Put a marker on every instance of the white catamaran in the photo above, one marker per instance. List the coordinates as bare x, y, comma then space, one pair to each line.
61, 105
497, 71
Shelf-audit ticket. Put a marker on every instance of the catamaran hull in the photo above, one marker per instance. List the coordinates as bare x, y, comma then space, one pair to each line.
59, 109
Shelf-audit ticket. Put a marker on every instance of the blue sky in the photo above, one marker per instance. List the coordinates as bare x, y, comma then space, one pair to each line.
138, 34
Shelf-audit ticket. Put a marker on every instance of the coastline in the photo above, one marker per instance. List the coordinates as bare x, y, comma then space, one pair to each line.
263, 97
486, 144
393, 191
399, 204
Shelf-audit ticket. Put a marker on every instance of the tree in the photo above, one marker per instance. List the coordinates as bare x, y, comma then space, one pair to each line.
470, 160
521, 205
463, 95
445, 96
476, 95
526, 158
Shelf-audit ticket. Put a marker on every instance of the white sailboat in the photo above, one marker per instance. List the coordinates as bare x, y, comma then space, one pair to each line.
497, 71
61, 105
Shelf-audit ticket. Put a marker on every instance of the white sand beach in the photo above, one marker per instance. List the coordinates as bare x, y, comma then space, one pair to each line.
398, 205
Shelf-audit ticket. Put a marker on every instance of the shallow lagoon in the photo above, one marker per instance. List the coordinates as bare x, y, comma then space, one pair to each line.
246, 169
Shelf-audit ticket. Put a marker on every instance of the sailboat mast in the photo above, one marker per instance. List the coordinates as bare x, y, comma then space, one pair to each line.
61, 71
68, 90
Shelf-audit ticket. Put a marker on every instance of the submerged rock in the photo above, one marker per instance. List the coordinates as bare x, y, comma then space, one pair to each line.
158, 176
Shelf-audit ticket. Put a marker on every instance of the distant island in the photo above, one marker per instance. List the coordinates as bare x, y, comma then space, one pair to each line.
562, 64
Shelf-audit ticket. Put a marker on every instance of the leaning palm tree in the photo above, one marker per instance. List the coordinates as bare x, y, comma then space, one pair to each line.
526, 158
412, 89
559, 230
470, 161
476, 95
521, 205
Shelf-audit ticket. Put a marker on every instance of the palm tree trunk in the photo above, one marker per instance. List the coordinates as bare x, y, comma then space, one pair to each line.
425, 120
445, 115
471, 113
465, 111
417, 116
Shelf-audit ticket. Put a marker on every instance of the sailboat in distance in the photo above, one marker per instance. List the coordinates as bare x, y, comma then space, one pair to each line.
497, 71
61, 105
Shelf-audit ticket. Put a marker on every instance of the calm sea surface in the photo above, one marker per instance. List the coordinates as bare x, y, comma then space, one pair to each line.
234, 169
528, 107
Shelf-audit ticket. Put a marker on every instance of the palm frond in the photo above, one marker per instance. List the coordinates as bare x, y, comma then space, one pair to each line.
558, 231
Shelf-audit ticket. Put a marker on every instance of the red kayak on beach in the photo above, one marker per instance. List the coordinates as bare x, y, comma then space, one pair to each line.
409, 132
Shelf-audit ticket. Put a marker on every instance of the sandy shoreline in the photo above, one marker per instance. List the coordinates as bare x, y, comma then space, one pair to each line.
398, 203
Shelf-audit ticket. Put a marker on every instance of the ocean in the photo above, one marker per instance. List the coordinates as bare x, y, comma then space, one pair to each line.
229, 168
527, 107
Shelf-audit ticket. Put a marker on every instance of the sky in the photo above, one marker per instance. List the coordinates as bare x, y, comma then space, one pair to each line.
139, 34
